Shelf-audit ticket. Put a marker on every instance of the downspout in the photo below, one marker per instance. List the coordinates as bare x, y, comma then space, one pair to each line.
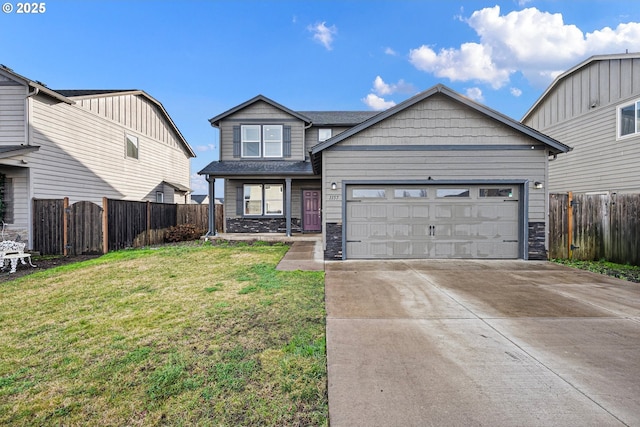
27, 110
28, 134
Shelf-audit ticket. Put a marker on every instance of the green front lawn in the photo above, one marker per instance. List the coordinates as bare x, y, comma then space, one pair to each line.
180, 335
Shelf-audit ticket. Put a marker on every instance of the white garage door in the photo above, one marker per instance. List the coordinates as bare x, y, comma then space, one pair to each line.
475, 221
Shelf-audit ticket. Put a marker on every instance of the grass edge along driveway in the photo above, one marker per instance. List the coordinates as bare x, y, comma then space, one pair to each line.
178, 335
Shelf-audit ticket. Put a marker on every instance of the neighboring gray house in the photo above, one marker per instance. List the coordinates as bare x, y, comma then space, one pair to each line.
437, 176
85, 145
595, 108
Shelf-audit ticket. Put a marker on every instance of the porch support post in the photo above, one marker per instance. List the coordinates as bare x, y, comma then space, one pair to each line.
212, 207
288, 204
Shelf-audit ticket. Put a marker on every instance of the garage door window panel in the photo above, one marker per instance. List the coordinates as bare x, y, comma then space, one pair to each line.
496, 192
452, 192
410, 193
369, 193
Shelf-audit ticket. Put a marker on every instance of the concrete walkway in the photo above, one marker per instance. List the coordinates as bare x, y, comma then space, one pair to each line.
303, 255
480, 343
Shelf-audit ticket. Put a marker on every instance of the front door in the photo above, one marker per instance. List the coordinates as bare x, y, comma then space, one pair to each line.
311, 216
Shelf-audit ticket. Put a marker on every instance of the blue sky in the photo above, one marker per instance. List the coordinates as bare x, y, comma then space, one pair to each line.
200, 58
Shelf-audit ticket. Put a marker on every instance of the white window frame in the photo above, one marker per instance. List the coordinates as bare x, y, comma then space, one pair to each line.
245, 201
128, 138
264, 202
265, 140
244, 140
636, 123
328, 134
268, 202
159, 197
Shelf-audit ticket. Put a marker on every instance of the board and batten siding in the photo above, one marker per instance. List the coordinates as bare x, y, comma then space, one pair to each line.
12, 112
436, 121
133, 112
261, 113
581, 112
598, 84
82, 156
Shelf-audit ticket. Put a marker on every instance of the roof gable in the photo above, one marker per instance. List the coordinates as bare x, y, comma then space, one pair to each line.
37, 86
79, 94
573, 70
555, 146
215, 121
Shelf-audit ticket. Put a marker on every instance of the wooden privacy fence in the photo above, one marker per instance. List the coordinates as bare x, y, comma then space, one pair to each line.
595, 226
86, 228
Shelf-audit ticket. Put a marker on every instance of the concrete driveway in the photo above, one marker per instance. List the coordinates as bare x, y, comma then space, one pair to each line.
480, 343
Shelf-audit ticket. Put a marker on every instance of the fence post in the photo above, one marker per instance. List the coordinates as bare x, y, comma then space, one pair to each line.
148, 233
105, 226
65, 226
570, 225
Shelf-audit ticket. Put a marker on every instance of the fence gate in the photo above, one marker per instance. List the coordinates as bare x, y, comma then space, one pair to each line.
84, 229
48, 228
58, 226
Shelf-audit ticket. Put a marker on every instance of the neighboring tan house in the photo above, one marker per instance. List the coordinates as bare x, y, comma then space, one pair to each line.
595, 108
437, 176
84, 145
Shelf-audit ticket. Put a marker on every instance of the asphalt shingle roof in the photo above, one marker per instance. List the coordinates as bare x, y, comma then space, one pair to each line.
338, 118
265, 167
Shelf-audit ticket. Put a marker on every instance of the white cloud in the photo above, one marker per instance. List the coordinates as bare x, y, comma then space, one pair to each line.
389, 51
208, 147
471, 62
199, 184
515, 91
323, 34
382, 88
475, 93
377, 103
538, 44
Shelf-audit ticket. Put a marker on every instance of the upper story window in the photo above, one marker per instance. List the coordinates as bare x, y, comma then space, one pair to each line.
629, 119
261, 140
132, 146
324, 134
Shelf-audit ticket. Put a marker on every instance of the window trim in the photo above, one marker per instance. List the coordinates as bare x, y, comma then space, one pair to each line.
265, 142
159, 197
134, 141
636, 104
244, 140
263, 200
320, 139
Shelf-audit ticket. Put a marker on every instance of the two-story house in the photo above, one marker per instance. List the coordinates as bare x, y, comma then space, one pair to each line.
595, 108
84, 145
437, 176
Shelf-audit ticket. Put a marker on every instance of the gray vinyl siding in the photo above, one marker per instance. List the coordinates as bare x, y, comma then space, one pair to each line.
261, 113
12, 113
598, 162
581, 111
438, 121
311, 135
82, 156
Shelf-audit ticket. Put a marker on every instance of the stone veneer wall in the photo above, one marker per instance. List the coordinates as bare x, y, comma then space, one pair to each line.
261, 225
537, 249
334, 241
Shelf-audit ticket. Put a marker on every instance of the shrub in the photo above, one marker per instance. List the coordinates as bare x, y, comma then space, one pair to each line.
183, 232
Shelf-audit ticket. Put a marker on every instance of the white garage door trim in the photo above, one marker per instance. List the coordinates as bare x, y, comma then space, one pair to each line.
412, 247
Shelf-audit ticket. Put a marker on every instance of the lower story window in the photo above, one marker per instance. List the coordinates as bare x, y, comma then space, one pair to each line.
263, 199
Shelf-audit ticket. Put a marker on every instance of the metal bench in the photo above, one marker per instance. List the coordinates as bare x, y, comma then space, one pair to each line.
11, 252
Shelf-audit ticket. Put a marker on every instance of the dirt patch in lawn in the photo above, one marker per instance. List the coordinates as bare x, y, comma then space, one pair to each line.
41, 264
